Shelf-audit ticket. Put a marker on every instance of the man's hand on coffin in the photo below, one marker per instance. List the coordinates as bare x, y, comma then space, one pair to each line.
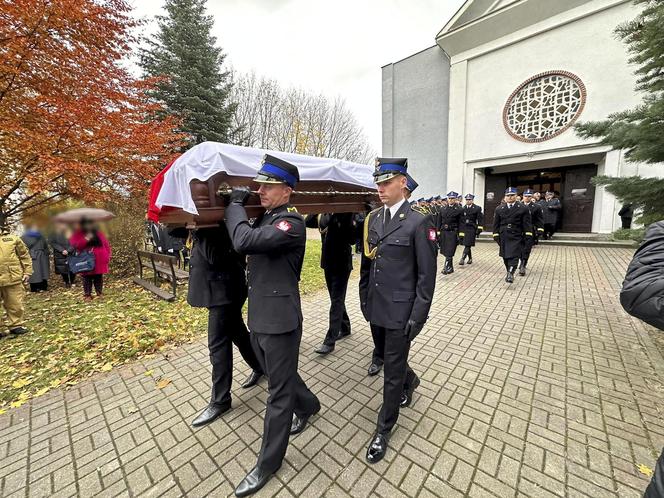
240, 195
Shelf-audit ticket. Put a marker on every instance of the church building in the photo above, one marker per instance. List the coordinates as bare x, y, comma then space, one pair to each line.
493, 103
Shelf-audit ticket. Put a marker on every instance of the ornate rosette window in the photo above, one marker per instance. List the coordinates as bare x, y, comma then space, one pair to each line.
544, 106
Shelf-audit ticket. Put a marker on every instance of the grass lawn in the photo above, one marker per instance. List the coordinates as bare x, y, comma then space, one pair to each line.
71, 339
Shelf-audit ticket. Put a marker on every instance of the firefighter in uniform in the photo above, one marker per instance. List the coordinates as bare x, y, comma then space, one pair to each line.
512, 226
537, 217
397, 280
448, 226
15, 270
275, 245
470, 226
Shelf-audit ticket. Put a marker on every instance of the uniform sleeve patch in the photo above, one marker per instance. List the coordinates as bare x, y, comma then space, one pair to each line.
432, 234
284, 226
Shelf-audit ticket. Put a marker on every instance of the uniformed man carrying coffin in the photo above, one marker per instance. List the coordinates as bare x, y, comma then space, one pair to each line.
537, 217
275, 245
470, 226
512, 225
397, 280
448, 225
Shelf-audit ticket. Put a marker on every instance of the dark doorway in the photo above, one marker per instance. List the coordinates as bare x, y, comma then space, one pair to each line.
571, 185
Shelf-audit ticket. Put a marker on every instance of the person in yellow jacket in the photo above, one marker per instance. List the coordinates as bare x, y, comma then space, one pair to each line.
15, 270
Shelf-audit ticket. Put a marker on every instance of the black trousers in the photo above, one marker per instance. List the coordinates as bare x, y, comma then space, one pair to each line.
511, 263
68, 278
398, 375
337, 284
626, 223
527, 249
278, 356
39, 286
549, 230
89, 280
225, 328
467, 252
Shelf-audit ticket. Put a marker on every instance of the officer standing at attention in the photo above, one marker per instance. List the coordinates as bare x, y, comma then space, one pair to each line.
275, 245
537, 218
397, 280
448, 225
512, 225
16, 265
552, 209
338, 233
217, 281
470, 226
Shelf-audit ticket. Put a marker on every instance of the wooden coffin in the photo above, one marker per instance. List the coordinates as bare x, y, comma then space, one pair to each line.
309, 197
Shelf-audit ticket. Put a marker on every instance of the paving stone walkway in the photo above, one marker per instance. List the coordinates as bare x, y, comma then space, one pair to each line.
543, 388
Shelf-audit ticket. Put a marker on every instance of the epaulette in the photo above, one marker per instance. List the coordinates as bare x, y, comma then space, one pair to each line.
418, 209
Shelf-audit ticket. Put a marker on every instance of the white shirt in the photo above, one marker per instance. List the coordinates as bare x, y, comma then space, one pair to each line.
394, 209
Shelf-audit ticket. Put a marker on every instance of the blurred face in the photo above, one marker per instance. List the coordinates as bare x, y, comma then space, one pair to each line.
451, 201
527, 198
537, 196
510, 198
548, 196
469, 202
274, 195
391, 191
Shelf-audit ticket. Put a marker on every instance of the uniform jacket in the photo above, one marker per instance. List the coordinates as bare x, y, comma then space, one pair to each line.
470, 221
398, 271
448, 218
59, 243
642, 294
39, 253
275, 246
217, 274
536, 215
552, 210
512, 226
338, 234
15, 260
102, 253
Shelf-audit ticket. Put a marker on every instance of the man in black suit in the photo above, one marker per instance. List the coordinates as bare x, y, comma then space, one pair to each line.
511, 226
471, 225
338, 233
397, 280
448, 226
552, 210
275, 245
217, 281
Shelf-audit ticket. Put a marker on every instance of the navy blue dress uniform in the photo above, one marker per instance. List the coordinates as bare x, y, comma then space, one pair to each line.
512, 225
470, 226
397, 281
275, 247
448, 225
339, 232
537, 218
217, 281
552, 208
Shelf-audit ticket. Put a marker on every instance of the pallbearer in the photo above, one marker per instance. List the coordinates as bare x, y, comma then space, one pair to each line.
397, 280
537, 218
512, 225
448, 225
470, 226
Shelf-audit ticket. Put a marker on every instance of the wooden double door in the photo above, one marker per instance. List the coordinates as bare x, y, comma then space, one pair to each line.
571, 185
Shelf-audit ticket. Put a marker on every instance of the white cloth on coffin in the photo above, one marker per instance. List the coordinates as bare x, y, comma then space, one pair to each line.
209, 158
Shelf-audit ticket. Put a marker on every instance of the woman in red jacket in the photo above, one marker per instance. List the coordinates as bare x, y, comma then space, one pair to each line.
89, 238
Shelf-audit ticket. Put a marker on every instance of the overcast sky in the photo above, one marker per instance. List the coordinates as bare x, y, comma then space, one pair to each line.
334, 47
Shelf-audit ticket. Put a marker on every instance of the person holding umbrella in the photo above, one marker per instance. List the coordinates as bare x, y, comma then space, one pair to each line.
88, 238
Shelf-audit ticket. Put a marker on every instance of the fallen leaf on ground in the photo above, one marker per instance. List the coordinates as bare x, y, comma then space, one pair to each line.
645, 470
42, 391
163, 383
149, 373
17, 384
16, 404
107, 367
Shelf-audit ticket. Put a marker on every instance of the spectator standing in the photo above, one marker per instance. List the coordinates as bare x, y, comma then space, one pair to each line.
89, 238
36, 244
59, 242
626, 214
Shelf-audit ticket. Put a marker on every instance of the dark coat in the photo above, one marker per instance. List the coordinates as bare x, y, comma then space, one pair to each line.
448, 226
338, 233
397, 281
536, 215
552, 210
512, 226
59, 242
626, 211
38, 248
642, 294
217, 274
471, 223
275, 245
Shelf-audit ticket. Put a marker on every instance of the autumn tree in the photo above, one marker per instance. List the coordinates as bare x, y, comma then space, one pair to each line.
194, 87
72, 119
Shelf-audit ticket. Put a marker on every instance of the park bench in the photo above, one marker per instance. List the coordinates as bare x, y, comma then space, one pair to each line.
163, 266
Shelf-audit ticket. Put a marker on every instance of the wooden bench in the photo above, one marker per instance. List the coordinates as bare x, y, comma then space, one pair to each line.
163, 266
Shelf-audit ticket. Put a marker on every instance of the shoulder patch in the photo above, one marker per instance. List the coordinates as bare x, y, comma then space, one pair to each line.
432, 234
418, 209
292, 209
284, 226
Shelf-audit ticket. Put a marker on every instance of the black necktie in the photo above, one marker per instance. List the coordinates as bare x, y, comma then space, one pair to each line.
388, 217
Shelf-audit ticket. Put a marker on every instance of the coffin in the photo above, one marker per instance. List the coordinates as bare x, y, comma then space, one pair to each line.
189, 190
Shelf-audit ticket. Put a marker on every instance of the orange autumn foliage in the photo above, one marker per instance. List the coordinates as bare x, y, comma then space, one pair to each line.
73, 121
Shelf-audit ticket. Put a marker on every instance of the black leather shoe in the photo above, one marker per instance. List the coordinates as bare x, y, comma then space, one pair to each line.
470, 261
377, 448
252, 380
522, 271
462, 261
509, 278
343, 335
253, 482
324, 349
211, 413
407, 396
18, 331
299, 424
374, 368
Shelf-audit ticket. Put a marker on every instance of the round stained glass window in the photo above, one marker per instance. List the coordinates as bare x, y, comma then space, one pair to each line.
544, 106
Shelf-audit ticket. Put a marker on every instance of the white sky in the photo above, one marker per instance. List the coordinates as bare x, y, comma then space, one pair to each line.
334, 47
